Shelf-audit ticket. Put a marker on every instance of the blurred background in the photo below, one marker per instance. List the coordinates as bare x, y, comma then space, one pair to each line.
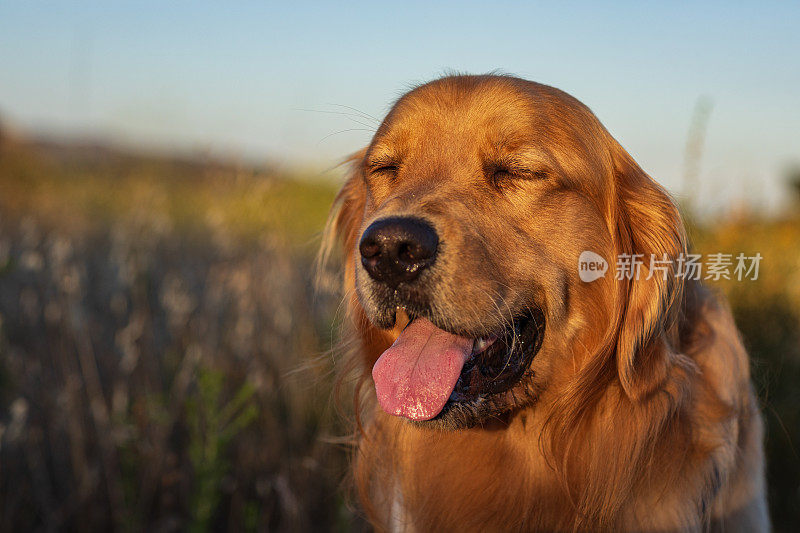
165, 171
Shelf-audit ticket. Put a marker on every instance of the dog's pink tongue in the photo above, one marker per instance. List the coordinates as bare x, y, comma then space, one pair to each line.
417, 374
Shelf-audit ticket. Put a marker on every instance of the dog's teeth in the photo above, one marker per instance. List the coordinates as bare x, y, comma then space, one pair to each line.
480, 344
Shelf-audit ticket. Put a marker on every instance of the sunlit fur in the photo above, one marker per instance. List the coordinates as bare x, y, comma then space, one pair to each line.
640, 413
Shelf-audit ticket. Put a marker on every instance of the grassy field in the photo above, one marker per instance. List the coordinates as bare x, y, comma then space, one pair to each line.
162, 350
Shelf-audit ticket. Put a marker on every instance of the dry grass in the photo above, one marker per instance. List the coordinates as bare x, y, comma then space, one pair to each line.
153, 318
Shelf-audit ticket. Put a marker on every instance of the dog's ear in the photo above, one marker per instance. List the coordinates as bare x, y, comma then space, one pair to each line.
649, 228
344, 221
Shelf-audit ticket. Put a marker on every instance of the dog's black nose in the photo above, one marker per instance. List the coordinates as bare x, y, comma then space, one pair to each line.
396, 249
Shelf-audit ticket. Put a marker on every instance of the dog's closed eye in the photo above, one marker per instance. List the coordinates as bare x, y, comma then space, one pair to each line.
502, 174
383, 166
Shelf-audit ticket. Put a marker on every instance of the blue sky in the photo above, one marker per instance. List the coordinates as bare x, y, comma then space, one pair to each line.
267, 80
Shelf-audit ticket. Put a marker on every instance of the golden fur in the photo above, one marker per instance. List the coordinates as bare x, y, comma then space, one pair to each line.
639, 414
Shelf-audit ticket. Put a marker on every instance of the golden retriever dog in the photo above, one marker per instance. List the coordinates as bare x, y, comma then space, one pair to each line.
502, 391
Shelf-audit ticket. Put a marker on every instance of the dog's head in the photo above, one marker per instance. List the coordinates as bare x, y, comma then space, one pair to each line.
463, 224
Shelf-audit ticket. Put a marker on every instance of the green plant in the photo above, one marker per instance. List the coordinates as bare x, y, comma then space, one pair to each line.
213, 424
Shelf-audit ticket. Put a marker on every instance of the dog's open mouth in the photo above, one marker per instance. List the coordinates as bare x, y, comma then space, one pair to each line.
429, 369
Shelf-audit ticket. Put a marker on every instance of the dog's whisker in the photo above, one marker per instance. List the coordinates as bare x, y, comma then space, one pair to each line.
343, 131
362, 113
352, 116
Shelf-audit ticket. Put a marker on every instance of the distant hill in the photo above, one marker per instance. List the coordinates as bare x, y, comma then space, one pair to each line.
94, 155
89, 183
